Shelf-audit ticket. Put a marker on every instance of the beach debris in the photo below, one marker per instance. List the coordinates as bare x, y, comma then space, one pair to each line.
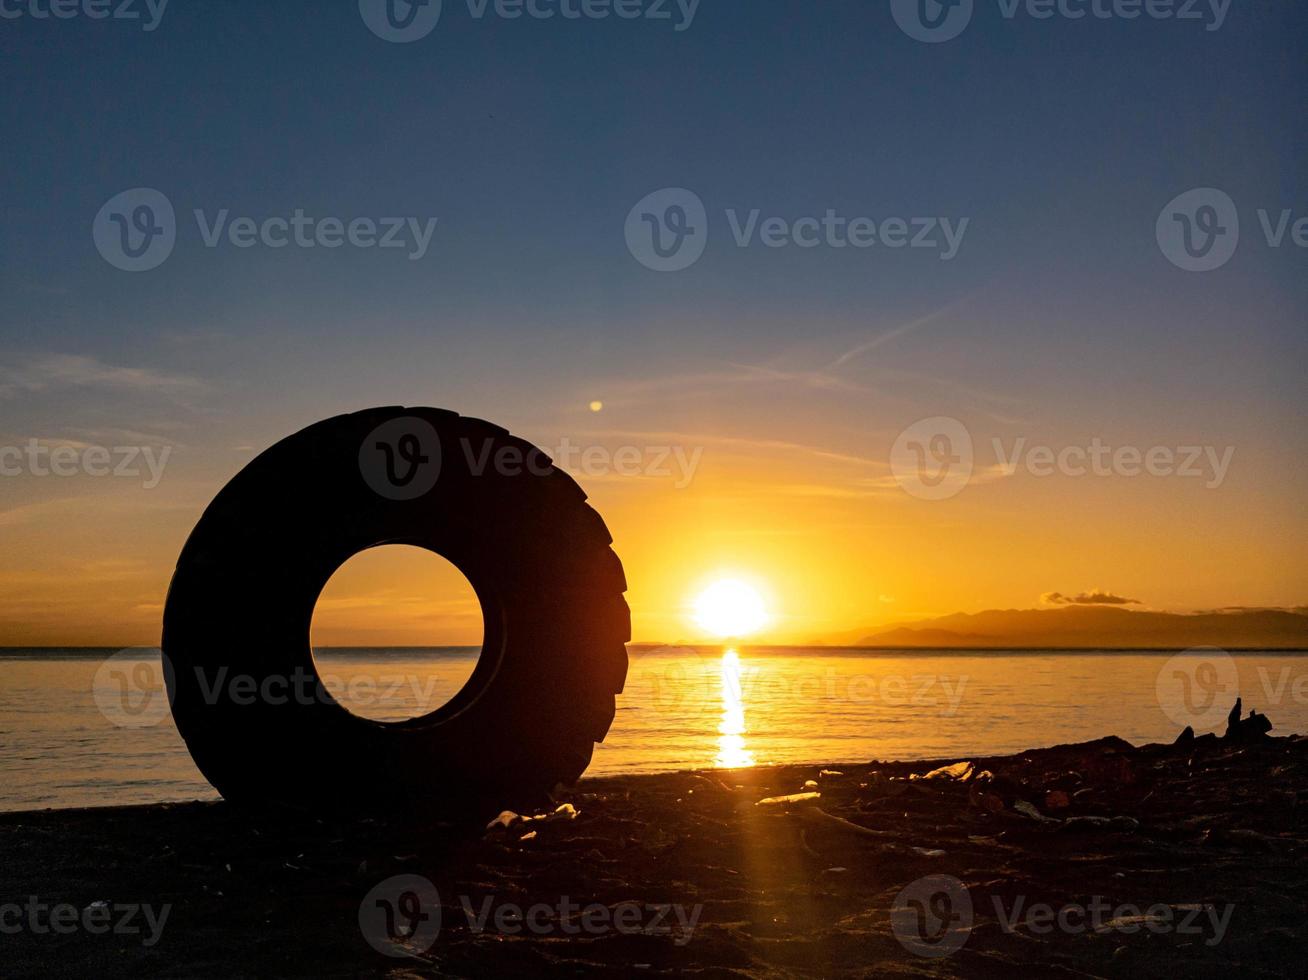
1029, 810
980, 793
957, 772
810, 784
928, 852
529, 835
1242, 838
1101, 823
808, 848
792, 798
564, 811
818, 816
505, 820
1057, 799
1250, 729
829, 772
508, 819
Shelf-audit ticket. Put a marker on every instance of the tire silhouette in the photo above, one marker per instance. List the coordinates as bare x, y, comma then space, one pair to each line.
244, 690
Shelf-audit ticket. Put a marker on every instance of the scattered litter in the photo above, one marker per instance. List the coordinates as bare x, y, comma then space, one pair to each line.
1130, 920
508, 819
835, 870
792, 798
830, 772
928, 852
990, 802
1029, 810
505, 820
959, 771
529, 835
810, 784
1101, 823
816, 815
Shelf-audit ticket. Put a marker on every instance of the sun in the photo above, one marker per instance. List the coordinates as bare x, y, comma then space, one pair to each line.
730, 607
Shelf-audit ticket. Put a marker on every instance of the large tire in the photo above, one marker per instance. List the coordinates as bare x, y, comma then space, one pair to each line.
538, 557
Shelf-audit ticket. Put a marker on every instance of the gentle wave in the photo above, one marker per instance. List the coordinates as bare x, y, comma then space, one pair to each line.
684, 707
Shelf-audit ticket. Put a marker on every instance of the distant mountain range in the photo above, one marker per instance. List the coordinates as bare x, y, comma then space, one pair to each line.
1096, 626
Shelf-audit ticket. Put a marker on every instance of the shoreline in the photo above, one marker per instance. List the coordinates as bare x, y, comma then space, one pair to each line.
1208, 835
816, 649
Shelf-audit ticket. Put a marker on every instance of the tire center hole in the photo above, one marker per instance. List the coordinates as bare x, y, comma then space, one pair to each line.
396, 633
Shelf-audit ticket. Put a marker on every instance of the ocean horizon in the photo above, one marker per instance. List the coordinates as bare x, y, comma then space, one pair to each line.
90, 726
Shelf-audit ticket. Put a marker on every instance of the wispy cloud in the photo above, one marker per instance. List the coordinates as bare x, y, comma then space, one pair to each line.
894, 333
75, 370
1092, 598
706, 439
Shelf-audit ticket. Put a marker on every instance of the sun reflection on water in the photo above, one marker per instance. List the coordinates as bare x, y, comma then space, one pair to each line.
732, 753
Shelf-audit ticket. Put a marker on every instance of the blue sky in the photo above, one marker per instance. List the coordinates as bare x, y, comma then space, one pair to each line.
530, 140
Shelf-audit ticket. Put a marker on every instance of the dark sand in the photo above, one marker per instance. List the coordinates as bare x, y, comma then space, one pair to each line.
784, 889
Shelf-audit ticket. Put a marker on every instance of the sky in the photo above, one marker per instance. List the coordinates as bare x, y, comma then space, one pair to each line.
772, 391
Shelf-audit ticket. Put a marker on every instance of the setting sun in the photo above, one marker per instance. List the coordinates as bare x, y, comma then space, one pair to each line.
730, 608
